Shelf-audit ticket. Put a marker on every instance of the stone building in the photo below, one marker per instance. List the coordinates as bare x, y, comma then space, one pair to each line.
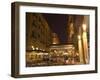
37, 31
75, 35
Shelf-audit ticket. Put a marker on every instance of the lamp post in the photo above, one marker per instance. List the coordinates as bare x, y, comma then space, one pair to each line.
80, 49
85, 43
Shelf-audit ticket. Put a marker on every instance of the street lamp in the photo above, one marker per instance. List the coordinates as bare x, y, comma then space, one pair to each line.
80, 49
85, 43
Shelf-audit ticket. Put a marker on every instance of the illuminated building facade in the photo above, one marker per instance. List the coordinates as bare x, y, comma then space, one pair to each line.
78, 36
37, 31
66, 53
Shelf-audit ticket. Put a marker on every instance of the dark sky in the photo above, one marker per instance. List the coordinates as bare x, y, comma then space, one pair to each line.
57, 23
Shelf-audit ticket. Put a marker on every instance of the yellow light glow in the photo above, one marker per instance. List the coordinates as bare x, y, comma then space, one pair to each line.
84, 27
43, 50
54, 42
79, 37
37, 48
65, 53
33, 48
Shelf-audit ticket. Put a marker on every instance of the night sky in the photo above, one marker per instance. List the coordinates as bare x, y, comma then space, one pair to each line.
58, 24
